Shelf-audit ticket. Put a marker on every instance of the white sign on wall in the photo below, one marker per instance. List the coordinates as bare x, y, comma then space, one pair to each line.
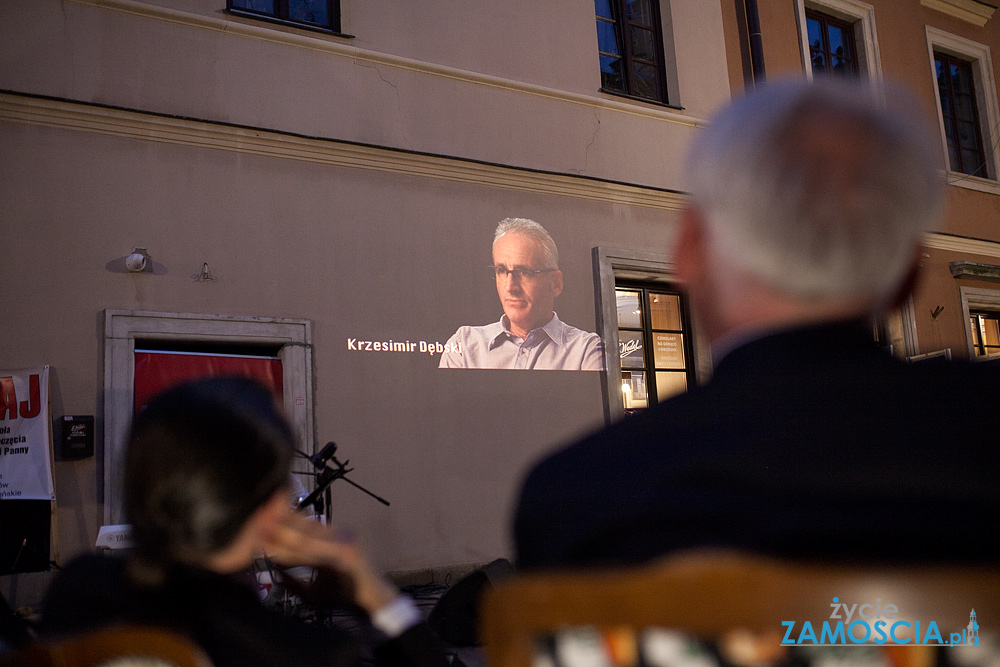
25, 435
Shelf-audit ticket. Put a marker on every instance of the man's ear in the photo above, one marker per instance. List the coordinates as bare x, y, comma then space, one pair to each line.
557, 283
689, 245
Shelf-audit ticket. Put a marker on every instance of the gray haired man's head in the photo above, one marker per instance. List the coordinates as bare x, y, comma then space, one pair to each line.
534, 230
819, 190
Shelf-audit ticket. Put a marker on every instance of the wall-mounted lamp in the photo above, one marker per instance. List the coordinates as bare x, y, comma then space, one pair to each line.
204, 275
139, 261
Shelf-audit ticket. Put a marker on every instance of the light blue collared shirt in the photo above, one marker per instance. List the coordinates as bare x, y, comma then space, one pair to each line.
555, 346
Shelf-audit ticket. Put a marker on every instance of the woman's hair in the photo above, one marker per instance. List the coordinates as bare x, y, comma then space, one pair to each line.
202, 457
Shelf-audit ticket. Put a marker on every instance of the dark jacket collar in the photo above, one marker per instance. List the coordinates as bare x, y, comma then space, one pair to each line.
832, 342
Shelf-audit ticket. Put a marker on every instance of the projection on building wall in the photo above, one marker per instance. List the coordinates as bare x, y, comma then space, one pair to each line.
527, 334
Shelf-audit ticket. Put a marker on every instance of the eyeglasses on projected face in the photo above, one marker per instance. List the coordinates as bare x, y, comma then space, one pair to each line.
518, 272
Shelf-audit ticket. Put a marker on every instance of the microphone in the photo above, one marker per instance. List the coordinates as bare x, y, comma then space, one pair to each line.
331, 472
320, 458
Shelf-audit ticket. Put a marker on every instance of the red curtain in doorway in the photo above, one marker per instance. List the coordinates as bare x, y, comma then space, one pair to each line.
157, 370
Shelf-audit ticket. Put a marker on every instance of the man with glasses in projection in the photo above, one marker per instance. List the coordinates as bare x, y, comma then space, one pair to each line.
529, 335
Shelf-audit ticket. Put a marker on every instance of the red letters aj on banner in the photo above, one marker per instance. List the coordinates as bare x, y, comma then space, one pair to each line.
25, 435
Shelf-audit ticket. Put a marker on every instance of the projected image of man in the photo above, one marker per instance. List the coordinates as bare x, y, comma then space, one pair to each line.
529, 335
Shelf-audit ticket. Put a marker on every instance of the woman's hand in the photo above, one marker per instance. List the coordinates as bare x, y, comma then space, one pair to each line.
298, 541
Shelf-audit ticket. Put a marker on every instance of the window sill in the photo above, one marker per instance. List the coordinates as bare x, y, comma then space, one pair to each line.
288, 24
961, 180
644, 100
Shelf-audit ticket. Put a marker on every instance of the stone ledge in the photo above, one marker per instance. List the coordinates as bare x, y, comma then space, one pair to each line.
975, 271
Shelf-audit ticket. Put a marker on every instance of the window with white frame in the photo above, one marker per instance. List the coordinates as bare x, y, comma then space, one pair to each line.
289, 339
838, 37
981, 310
968, 114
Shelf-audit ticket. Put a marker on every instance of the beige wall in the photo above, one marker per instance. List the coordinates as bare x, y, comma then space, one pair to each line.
365, 243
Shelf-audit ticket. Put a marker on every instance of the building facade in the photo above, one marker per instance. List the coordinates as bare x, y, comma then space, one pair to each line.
942, 51
316, 184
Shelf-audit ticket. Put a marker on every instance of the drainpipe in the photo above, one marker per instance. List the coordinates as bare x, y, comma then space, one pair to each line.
755, 42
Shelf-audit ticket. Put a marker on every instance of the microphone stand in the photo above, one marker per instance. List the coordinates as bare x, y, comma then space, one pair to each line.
332, 470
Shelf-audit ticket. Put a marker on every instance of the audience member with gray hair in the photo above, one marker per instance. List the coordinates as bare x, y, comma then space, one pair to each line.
529, 335
807, 210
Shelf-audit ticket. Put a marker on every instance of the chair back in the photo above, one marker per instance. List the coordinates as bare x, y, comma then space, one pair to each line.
113, 647
714, 594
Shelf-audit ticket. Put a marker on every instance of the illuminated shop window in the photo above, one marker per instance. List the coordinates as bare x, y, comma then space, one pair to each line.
653, 343
314, 14
985, 333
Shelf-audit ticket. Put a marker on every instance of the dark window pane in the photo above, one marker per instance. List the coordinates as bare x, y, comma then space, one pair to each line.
959, 80
967, 135
945, 101
964, 80
611, 73
606, 40
815, 34
949, 132
831, 45
837, 42
264, 6
640, 11
953, 157
964, 107
311, 11
631, 48
642, 44
646, 81
971, 163
603, 8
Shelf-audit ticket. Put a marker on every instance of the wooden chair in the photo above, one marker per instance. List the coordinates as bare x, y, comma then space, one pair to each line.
712, 594
113, 647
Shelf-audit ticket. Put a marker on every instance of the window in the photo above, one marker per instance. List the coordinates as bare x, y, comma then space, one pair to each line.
630, 43
961, 118
968, 114
838, 37
831, 46
985, 327
981, 311
321, 14
289, 339
654, 350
